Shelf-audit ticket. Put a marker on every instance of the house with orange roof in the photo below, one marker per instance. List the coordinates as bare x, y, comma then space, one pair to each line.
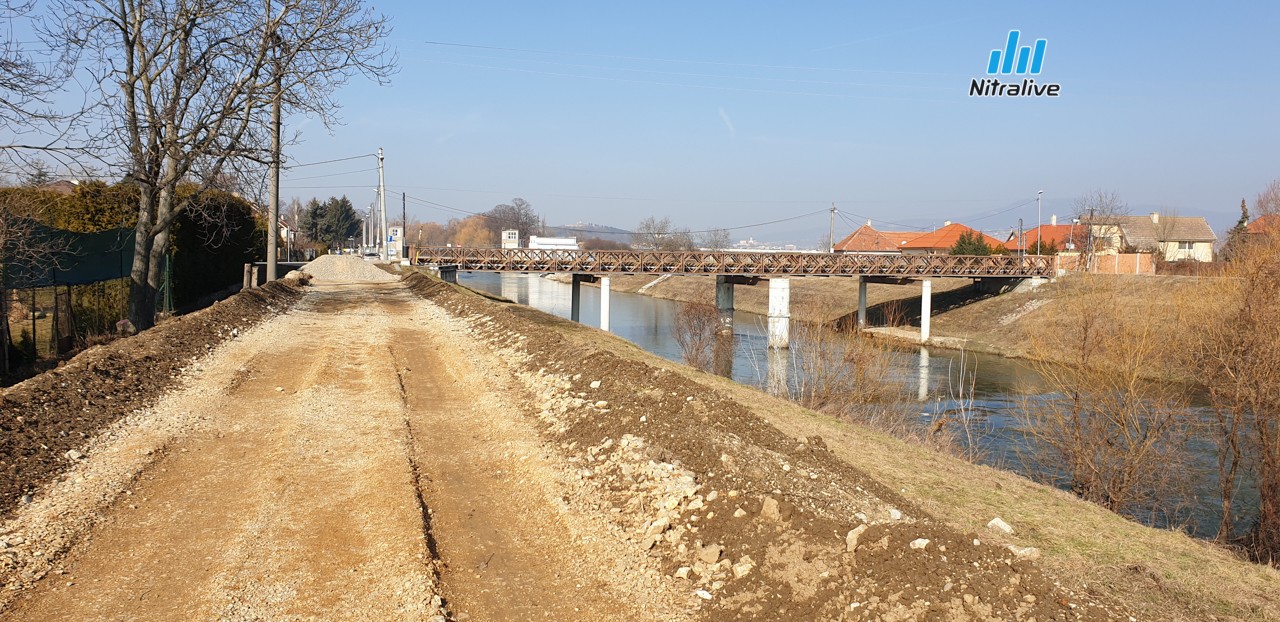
939, 242
1060, 237
868, 239
1267, 223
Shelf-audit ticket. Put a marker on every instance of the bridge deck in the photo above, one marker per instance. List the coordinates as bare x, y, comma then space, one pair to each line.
759, 264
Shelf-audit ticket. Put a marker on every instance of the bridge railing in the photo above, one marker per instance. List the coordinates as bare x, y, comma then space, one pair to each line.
759, 264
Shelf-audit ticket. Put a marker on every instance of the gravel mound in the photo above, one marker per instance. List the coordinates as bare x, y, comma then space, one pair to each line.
346, 269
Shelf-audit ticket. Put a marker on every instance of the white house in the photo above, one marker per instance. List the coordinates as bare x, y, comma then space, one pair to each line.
561, 244
1177, 238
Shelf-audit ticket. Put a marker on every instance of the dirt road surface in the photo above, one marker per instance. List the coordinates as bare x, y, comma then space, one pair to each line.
303, 492
408, 451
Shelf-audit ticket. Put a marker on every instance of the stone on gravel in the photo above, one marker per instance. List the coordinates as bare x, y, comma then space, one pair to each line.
74, 455
919, 543
769, 510
710, 553
595, 384
999, 525
1025, 552
347, 269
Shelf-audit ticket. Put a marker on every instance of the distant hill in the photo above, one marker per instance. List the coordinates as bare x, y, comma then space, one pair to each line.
584, 230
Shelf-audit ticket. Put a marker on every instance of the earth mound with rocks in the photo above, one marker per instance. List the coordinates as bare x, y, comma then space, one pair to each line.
346, 269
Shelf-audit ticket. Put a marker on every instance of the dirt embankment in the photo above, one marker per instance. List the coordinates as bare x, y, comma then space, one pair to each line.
46, 419
755, 523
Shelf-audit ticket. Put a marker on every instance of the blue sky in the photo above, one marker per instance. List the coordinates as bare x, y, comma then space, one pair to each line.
725, 114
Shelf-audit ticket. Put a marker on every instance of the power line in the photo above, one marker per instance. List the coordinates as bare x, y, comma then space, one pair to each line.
363, 170
367, 155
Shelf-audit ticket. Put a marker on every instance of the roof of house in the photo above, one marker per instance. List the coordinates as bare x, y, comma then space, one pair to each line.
1057, 235
867, 239
1148, 231
1265, 223
946, 237
61, 186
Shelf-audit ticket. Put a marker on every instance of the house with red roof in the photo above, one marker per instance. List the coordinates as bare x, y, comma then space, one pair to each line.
868, 239
939, 242
1267, 223
1060, 237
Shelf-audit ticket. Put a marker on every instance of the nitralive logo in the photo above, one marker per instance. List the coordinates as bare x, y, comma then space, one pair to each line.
1014, 60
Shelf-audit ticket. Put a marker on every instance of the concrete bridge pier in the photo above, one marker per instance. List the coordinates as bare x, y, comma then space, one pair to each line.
724, 303
862, 302
779, 313
926, 308
724, 298
575, 298
604, 303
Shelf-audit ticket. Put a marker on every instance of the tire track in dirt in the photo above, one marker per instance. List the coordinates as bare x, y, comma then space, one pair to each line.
509, 546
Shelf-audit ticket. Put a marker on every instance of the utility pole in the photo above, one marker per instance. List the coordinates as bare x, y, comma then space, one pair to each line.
273, 218
382, 204
404, 225
831, 234
1039, 249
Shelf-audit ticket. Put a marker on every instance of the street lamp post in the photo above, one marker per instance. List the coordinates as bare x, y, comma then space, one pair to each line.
1039, 224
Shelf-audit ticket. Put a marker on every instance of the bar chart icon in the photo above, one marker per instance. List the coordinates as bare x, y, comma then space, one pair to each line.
1028, 61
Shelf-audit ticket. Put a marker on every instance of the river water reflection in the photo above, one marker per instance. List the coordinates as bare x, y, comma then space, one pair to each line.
945, 383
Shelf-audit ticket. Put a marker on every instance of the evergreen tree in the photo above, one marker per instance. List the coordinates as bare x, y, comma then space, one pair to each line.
1237, 236
970, 243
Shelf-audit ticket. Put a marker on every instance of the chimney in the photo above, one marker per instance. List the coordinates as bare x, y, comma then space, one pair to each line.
868, 222
1053, 220
946, 223
1155, 218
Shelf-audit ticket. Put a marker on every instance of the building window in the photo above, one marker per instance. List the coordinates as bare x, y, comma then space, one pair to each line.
1186, 246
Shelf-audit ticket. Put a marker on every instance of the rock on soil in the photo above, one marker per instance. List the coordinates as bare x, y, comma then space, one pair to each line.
346, 269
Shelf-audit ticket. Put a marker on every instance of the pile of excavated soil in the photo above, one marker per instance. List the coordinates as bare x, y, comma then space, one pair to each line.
46, 421
752, 523
346, 269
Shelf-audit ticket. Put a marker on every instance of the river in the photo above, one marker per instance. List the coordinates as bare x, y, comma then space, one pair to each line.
941, 382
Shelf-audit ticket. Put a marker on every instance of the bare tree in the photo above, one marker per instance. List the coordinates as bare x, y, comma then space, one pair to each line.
518, 215
1238, 357
1099, 211
27, 82
186, 87
1106, 433
661, 235
26, 249
715, 239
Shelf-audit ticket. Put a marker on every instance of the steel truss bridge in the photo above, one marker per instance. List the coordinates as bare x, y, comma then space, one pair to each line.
764, 265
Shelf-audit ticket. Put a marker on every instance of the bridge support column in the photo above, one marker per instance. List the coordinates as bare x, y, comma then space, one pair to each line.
575, 296
604, 303
926, 308
862, 302
779, 313
724, 303
449, 274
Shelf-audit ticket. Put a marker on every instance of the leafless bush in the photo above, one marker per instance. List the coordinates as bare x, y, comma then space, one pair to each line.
1107, 433
1239, 358
695, 326
895, 313
962, 425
